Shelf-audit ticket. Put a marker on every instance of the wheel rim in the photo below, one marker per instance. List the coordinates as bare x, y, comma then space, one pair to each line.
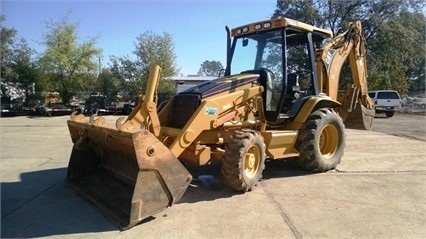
329, 139
252, 161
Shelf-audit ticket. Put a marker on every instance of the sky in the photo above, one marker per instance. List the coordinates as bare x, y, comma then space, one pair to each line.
197, 27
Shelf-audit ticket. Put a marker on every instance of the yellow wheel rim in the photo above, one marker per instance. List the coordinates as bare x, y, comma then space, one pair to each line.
252, 161
328, 141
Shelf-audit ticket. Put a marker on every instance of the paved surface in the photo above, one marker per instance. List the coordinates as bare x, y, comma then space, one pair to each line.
378, 191
412, 126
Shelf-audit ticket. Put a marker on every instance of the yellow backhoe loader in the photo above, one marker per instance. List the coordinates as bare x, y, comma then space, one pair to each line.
279, 98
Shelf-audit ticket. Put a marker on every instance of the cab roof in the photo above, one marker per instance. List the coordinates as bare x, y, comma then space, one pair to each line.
278, 23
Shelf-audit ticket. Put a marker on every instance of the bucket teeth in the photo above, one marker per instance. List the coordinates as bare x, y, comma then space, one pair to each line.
95, 120
77, 117
123, 126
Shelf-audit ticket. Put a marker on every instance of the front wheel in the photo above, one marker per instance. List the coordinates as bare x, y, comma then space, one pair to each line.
244, 160
321, 141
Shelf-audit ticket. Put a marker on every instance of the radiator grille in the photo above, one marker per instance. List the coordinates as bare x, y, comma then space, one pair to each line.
184, 106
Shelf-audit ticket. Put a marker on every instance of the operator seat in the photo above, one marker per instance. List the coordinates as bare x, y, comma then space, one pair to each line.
292, 88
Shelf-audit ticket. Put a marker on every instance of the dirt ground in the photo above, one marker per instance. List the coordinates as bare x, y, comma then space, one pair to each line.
408, 125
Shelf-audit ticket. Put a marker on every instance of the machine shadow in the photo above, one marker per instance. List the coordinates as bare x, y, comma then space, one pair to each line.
208, 185
40, 205
284, 168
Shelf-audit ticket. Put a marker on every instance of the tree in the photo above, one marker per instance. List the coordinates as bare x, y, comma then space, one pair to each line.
210, 68
128, 72
150, 48
308, 11
24, 69
334, 15
107, 84
7, 40
384, 24
18, 68
65, 60
398, 54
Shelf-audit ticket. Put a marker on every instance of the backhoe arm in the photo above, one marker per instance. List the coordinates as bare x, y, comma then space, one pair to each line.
349, 45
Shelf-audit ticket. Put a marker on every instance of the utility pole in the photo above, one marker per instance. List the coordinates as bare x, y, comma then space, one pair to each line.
99, 66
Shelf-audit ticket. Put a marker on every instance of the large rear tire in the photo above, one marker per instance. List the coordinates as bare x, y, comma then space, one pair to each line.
321, 141
244, 160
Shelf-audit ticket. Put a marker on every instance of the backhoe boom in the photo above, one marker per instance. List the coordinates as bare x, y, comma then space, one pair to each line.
349, 45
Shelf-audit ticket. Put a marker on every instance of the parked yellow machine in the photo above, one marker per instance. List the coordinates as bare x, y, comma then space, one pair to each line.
279, 98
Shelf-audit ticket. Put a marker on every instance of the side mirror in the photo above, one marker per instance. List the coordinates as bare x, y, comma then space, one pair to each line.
221, 73
245, 42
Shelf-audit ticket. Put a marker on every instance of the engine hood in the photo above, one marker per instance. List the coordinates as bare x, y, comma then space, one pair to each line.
221, 85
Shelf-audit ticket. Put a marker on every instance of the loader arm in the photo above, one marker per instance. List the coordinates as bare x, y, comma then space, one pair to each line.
144, 115
357, 108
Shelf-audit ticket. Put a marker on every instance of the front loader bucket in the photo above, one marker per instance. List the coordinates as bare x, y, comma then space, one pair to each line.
129, 176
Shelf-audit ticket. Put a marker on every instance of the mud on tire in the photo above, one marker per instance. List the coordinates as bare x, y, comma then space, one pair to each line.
244, 160
321, 141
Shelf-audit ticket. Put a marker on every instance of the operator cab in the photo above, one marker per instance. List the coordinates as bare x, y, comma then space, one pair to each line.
282, 52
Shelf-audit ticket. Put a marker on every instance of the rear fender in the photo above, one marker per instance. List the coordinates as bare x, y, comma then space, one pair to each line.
308, 105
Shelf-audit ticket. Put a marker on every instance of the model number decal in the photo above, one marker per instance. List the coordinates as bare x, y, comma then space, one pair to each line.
211, 111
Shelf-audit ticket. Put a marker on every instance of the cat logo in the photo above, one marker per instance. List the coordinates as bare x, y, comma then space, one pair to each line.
329, 59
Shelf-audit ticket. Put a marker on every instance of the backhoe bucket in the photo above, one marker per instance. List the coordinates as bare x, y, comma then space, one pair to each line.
360, 118
129, 176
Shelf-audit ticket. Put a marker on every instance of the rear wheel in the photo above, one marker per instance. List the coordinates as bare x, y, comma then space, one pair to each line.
390, 113
321, 141
244, 160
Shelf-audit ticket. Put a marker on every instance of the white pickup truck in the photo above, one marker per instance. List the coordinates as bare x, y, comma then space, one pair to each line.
385, 101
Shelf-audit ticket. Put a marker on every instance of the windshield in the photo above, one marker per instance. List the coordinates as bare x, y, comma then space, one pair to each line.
258, 51
263, 53
387, 95
265, 50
